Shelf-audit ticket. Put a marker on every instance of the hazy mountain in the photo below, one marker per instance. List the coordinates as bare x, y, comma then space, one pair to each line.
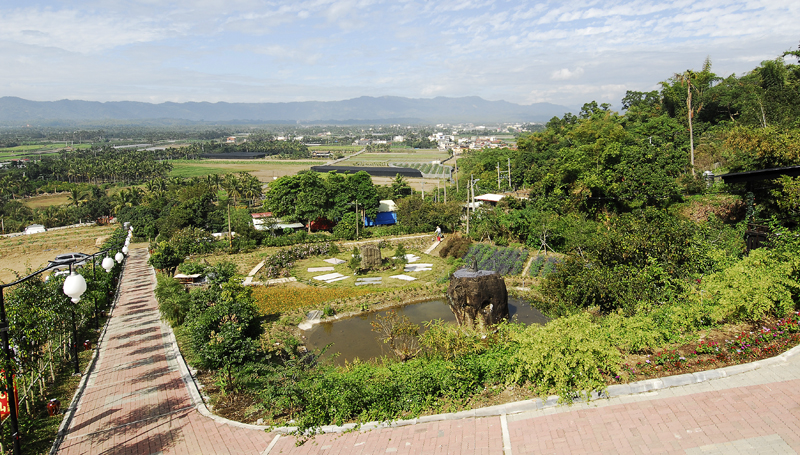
358, 110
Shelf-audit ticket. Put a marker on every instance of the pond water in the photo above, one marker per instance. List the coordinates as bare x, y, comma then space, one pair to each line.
353, 337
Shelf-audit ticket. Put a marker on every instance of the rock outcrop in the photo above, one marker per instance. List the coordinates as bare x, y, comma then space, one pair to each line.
478, 298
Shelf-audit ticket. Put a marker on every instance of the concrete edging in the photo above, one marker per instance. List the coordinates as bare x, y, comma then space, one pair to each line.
634, 388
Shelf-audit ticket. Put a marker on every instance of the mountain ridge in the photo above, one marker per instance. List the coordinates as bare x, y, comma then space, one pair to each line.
364, 109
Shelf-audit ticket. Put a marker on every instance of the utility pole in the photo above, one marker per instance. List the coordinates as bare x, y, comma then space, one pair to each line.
230, 237
356, 219
509, 173
498, 177
468, 209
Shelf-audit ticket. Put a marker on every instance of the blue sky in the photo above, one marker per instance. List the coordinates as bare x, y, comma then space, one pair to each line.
275, 51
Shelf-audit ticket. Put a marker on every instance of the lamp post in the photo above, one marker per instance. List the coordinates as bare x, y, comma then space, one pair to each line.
13, 417
74, 287
96, 313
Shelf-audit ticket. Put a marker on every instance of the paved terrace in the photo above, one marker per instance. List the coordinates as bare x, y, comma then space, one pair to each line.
138, 398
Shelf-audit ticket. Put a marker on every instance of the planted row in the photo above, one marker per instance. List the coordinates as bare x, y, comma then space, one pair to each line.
504, 261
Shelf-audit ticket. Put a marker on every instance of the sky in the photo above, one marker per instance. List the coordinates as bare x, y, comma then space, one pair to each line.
324, 50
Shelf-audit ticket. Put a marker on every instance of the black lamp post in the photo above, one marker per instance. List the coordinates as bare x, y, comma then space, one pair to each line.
96, 313
74, 287
13, 417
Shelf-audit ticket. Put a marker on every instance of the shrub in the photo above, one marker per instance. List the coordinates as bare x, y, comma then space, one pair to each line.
225, 333
567, 355
759, 285
173, 300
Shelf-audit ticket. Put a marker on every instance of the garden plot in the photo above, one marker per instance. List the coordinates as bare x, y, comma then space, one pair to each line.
503, 261
541, 266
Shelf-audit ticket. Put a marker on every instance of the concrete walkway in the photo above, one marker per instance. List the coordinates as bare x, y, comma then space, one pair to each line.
139, 399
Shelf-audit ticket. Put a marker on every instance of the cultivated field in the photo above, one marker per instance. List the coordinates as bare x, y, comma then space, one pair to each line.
17, 254
264, 170
46, 200
336, 148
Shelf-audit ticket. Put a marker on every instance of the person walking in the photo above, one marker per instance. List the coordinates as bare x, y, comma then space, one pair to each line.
438, 234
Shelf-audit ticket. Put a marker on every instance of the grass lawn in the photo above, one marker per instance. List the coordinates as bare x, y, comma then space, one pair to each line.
439, 270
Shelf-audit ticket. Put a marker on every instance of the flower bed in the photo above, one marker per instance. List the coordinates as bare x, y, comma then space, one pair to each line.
745, 347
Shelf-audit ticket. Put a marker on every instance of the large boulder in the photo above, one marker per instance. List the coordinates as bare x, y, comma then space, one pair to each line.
370, 256
478, 298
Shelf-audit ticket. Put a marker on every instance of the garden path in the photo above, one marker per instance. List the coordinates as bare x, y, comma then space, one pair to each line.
135, 398
138, 398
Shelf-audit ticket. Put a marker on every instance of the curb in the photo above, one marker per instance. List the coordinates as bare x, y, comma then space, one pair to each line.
517, 407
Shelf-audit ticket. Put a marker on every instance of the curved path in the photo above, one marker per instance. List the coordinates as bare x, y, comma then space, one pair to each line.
136, 399
139, 399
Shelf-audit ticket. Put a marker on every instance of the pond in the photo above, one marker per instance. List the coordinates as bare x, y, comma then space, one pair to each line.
353, 337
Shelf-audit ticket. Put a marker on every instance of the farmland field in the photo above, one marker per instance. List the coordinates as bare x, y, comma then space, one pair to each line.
46, 200
409, 155
264, 170
34, 251
335, 148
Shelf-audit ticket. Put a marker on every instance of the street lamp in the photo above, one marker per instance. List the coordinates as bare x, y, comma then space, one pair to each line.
92, 257
107, 264
75, 289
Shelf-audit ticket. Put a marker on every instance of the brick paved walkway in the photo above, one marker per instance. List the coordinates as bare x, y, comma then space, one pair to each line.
137, 402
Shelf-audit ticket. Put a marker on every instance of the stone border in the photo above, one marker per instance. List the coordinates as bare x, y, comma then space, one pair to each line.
517, 407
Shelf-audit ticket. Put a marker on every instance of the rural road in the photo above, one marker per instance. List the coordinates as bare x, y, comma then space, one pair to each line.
139, 399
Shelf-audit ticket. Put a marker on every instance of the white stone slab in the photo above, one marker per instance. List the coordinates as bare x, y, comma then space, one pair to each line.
369, 280
412, 258
327, 277
403, 277
320, 269
337, 279
334, 261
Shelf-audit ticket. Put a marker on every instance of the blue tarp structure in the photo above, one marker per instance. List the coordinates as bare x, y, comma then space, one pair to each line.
381, 219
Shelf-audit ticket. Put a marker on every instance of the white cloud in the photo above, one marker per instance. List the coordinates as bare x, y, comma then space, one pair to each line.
280, 50
565, 74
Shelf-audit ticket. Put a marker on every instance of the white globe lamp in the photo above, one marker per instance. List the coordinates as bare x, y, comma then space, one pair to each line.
125, 250
119, 257
74, 287
108, 264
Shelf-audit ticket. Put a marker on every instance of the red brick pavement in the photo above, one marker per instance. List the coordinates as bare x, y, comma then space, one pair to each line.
136, 402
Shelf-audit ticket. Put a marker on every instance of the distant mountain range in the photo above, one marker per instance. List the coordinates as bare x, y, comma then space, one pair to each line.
363, 110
